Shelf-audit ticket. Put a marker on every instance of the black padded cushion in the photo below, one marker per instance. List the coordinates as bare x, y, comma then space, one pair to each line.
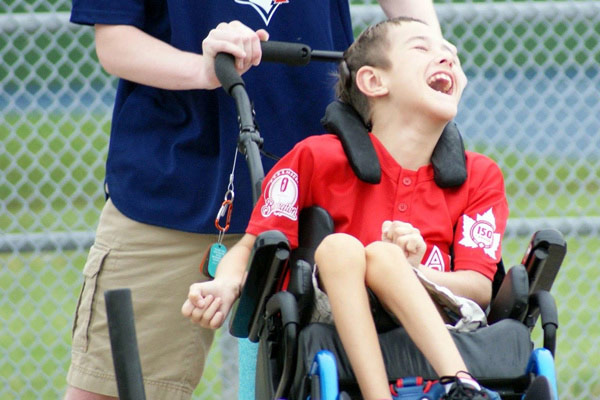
507, 358
344, 121
448, 159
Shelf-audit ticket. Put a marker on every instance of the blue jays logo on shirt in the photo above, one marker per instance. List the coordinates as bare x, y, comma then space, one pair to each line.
265, 8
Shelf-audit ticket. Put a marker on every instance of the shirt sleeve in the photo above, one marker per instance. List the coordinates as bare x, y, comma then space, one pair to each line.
285, 191
110, 12
479, 231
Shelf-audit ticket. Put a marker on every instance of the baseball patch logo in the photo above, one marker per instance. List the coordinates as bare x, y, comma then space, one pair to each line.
281, 195
481, 233
265, 8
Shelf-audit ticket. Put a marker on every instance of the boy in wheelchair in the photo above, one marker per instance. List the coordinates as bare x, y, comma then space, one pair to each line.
405, 81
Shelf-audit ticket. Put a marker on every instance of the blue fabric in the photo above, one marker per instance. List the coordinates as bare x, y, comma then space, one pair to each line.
247, 353
171, 152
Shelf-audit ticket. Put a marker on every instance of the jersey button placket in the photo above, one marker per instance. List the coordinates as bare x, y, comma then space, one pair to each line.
406, 182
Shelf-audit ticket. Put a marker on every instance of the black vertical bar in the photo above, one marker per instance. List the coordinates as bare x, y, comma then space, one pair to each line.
123, 343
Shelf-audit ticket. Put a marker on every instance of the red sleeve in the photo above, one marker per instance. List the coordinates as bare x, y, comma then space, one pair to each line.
285, 192
479, 231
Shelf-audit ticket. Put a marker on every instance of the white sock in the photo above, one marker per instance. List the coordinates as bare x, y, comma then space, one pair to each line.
467, 381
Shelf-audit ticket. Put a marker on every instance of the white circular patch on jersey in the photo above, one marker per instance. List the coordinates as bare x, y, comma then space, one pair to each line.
281, 195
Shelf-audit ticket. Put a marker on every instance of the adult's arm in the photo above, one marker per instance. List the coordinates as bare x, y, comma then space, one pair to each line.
129, 53
422, 9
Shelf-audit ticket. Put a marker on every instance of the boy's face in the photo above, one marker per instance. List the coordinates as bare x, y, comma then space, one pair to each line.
426, 74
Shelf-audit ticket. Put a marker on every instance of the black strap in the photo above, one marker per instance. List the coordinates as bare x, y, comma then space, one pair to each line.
448, 158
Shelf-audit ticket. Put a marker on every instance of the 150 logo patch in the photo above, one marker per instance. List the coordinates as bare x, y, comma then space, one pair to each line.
481, 233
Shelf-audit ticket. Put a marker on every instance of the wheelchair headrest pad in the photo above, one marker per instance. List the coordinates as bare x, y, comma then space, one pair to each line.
448, 158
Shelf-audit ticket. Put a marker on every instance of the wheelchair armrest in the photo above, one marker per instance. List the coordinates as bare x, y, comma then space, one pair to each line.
265, 266
314, 224
283, 307
301, 287
269, 256
543, 258
512, 297
541, 303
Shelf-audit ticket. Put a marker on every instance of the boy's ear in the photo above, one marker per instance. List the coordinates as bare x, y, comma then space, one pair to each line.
369, 81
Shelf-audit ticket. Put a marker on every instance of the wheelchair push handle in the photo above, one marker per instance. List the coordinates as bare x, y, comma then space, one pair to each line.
226, 72
290, 53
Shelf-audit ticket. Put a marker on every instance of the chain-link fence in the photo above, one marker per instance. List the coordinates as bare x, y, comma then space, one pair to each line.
532, 104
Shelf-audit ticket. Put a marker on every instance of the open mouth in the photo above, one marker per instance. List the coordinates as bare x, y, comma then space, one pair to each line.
441, 82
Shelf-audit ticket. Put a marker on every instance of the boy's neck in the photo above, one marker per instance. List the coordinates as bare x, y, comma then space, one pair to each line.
410, 141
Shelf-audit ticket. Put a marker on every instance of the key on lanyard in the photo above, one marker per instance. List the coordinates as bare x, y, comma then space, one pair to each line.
217, 250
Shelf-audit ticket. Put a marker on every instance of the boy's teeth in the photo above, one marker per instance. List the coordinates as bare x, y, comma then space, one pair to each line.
440, 82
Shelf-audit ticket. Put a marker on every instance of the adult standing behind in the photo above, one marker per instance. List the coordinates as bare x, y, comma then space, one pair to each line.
170, 155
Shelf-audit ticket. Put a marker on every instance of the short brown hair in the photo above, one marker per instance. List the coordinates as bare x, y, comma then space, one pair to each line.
368, 49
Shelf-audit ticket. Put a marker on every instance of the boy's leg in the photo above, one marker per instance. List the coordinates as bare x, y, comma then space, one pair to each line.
340, 259
392, 279
158, 265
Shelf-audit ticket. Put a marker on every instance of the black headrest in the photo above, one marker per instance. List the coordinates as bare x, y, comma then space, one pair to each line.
448, 158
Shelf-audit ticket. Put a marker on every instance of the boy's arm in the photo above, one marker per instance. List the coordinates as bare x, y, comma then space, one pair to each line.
464, 283
131, 54
469, 284
209, 302
421, 9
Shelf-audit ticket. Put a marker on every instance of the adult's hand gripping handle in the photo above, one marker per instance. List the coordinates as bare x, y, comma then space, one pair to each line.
289, 53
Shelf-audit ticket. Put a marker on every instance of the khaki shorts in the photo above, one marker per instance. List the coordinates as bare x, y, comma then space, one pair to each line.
158, 265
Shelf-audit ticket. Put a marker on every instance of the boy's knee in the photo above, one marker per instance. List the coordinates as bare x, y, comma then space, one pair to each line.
339, 251
338, 245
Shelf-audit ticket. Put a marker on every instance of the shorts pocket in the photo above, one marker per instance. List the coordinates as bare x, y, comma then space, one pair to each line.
83, 313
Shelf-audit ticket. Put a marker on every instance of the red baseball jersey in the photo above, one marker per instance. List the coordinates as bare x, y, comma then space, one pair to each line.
467, 222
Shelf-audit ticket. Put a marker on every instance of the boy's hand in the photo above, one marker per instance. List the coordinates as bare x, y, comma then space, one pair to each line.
407, 237
208, 303
234, 38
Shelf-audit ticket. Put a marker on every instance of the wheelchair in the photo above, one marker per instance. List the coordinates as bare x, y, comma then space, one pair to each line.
298, 360
301, 360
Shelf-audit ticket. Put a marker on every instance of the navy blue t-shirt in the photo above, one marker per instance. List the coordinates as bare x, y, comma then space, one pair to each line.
171, 152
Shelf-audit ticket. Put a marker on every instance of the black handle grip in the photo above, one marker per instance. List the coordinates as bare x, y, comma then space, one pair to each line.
286, 52
123, 343
289, 53
226, 72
